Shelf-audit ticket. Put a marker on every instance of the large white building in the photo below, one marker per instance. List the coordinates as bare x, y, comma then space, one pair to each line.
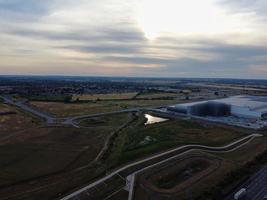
254, 107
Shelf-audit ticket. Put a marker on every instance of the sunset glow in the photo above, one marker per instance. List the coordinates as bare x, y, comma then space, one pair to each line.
106, 37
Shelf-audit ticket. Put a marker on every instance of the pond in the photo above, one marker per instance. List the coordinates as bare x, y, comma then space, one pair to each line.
152, 119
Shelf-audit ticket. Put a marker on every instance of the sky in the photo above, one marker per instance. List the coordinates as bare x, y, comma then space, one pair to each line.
144, 38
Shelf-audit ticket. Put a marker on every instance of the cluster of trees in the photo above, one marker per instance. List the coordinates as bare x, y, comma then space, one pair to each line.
68, 99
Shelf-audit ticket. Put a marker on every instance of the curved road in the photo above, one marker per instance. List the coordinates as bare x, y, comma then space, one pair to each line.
72, 120
131, 170
65, 121
134, 168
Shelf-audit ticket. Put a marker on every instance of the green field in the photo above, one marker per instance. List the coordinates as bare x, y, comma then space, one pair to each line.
114, 121
132, 143
158, 95
36, 160
44, 161
235, 167
109, 96
59, 109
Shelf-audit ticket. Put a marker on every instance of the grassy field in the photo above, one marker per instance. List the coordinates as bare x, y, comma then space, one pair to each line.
60, 98
111, 121
157, 95
5, 108
233, 161
66, 110
15, 122
73, 109
111, 96
42, 162
38, 159
211, 187
173, 178
47, 150
146, 103
139, 140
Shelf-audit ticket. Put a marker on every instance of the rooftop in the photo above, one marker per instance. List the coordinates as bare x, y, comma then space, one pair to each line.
254, 103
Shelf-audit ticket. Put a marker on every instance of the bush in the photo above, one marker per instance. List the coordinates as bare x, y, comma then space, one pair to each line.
67, 99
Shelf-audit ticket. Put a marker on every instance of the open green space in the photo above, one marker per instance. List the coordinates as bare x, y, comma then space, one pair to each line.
235, 167
108, 96
158, 95
114, 121
176, 177
38, 158
46, 151
140, 140
60, 109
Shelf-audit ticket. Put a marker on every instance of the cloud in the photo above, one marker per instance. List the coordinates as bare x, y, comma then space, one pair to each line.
33, 6
104, 37
259, 69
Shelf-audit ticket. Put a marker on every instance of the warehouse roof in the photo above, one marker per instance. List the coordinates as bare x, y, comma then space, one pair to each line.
254, 103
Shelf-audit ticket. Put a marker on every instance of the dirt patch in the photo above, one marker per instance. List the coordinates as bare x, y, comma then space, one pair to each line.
179, 175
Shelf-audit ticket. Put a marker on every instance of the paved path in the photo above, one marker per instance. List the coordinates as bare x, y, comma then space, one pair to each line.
49, 119
72, 121
257, 186
152, 161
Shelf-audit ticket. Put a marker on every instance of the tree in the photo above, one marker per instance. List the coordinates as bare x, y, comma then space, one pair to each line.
67, 99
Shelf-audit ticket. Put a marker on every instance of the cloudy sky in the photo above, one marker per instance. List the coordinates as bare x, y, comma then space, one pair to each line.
162, 38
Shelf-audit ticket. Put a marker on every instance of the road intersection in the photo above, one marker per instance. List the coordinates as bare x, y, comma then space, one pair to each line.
129, 172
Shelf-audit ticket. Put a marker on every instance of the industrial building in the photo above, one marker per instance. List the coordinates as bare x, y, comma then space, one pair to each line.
250, 107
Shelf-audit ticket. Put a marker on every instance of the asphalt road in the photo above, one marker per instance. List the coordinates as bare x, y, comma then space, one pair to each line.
49, 119
72, 120
65, 121
138, 166
256, 187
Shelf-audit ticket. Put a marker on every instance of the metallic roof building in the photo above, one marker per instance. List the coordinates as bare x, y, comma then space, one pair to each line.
241, 106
